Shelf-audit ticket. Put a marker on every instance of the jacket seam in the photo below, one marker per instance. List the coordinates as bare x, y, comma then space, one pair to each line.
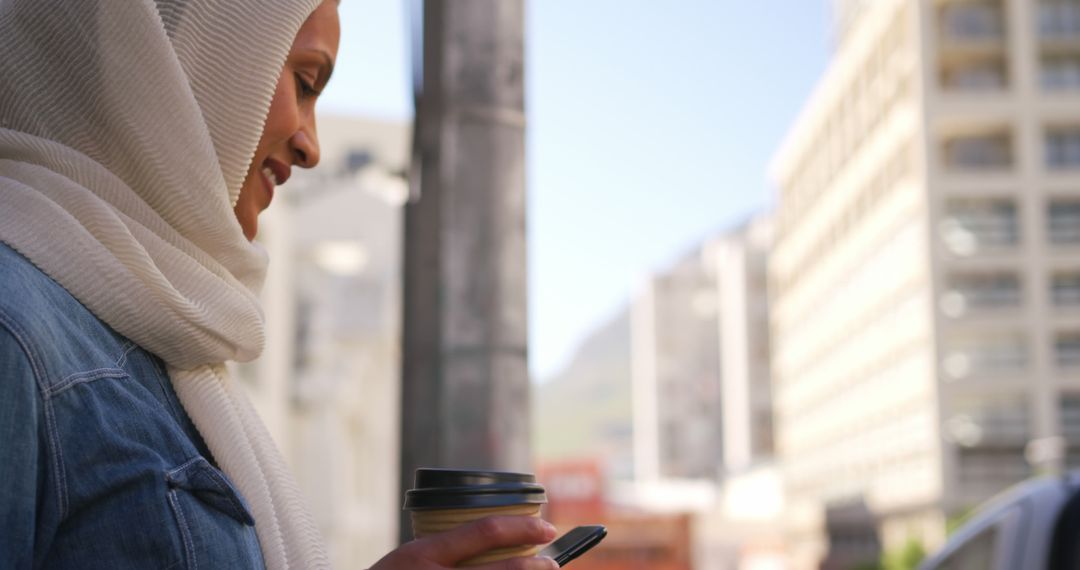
185, 531
216, 478
171, 473
83, 378
56, 454
125, 350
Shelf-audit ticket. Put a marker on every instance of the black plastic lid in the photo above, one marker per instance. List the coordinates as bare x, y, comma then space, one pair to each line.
466, 489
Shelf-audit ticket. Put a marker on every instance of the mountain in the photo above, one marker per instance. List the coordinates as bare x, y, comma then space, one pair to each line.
585, 410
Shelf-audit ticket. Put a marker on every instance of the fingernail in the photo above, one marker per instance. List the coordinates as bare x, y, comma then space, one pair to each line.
549, 529
551, 562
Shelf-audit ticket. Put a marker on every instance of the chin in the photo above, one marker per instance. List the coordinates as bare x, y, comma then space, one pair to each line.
249, 223
251, 229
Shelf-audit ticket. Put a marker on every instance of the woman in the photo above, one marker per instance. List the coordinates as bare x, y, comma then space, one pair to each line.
139, 141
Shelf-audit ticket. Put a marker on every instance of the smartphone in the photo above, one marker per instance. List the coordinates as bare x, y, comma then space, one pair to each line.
574, 543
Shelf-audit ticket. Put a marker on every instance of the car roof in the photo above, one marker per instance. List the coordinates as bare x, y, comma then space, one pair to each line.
1044, 495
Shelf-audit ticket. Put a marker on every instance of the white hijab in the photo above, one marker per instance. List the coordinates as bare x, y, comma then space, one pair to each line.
126, 130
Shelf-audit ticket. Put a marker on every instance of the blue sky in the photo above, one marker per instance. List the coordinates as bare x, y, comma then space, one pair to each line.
651, 126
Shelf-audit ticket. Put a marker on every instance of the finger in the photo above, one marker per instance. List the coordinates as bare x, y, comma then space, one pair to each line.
469, 540
533, 563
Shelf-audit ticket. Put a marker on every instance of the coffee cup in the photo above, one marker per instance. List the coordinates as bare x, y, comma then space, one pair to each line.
443, 499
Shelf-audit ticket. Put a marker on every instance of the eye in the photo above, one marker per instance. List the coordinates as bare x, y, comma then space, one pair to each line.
304, 88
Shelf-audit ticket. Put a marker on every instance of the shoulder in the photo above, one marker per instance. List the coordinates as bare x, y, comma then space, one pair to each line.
43, 324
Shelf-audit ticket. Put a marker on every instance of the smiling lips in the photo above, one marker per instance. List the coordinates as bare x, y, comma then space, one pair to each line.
274, 174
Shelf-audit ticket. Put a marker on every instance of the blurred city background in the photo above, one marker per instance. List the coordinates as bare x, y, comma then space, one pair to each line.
803, 276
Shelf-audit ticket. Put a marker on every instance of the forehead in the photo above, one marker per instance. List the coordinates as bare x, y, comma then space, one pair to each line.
322, 29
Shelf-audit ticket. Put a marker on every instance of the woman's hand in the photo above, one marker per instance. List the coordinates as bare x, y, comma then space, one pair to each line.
446, 549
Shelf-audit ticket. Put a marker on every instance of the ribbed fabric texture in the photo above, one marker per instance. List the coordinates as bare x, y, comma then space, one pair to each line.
126, 130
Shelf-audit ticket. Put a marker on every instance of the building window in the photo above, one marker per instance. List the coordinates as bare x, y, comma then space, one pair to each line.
1000, 420
989, 433
977, 75
1065, 289
1070, 428
1063, 148
1059, 19
980, 290
986, 471
1070, 417
984, 353
972, 21
973, 225
1061, 73
1067, 349
1063, 219
979, 152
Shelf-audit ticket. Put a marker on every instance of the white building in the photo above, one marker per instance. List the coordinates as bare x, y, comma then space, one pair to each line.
741, 259
744, 527
694, 348
675, 370
926, 275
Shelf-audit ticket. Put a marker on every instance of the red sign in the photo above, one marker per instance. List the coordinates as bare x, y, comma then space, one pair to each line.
635, 541
574, 489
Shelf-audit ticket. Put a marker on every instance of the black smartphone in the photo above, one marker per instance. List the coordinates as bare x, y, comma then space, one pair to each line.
574, 543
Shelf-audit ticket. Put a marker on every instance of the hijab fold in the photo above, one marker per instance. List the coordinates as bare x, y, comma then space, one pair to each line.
126, 131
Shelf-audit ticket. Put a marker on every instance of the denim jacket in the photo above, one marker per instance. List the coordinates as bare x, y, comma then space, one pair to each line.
99, 465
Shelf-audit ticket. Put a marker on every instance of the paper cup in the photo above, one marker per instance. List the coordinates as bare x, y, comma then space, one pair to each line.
443, 499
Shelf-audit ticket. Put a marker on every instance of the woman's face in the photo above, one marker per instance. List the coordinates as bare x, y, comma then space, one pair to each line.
289, 137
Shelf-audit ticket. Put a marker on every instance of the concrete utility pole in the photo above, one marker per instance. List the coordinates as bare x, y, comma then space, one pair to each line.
465, 385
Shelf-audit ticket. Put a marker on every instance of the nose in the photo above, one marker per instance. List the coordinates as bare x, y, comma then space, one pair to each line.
305, 146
